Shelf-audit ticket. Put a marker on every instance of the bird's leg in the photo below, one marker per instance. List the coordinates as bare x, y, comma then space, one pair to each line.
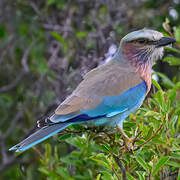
129, 142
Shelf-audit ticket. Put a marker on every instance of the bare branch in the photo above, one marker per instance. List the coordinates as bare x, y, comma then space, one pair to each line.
25, 57
35, 8
119, 163
6, 160
115, 172
23, 72
10, 161
13, 84
13, 123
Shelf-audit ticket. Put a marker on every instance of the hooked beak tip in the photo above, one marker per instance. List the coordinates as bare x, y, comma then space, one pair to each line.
164, 41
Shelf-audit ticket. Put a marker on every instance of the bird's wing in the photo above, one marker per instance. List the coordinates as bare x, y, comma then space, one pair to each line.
106, 90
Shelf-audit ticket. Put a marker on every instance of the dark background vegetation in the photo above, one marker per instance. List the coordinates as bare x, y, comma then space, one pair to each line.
45, 49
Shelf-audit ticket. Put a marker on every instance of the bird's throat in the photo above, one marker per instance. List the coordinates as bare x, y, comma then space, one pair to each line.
139, 60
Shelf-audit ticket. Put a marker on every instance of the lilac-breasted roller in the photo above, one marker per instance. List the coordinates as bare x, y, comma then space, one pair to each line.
110, 92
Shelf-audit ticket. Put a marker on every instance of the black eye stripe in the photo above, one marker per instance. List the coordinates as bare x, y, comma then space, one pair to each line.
144, 41
141, 40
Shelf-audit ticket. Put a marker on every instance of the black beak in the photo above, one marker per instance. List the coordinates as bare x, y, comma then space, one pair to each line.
165, 41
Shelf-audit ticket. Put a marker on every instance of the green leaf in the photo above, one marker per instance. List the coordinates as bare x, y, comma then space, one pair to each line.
173, 61
152, 114
156, 84
2, 31
141, 161
129, 177
173, 163
47, 152
159, 165
172, 124
98, 177
50, 2
42, 67
177, 33
60, 4
140, 174
81, 34
65, 136
63, 172
172, 96
149, 134
175, 156
172, 50
23, 29
103, 10
105, 148
178, 175
165, 80
78, 141
101, 162
56, 157
177, 86
106, 175
159, 96
129, 124
44, 170
61, 40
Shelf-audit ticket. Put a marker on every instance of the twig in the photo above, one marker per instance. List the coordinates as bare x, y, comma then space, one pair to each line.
25, 56
13, 84
13, 123
38, 151
6, 160
157, 131
23, 72
11, 160
136, 137
35, 8
119, 163
115, 172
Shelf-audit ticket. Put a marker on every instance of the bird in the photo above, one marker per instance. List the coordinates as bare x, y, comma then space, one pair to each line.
108, 94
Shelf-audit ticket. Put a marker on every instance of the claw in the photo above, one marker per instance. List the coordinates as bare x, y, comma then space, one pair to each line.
129, 142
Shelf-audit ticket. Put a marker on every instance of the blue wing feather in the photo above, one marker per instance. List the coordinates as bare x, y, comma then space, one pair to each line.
110, 106
116, 104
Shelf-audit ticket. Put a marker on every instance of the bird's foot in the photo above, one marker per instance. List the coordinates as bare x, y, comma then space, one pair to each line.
128, 142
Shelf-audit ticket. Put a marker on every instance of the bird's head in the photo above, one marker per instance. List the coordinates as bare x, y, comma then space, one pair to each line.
144, 45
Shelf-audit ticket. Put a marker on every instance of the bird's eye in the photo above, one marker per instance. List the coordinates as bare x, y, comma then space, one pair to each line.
142, 41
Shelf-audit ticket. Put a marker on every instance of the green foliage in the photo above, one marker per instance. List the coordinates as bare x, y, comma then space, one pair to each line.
173, 61
177, 33
61, 40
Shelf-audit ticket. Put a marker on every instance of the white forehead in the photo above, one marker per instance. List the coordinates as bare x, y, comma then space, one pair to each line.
143, 33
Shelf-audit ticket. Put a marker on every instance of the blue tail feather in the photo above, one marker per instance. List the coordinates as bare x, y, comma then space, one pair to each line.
47, 131
39, 136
